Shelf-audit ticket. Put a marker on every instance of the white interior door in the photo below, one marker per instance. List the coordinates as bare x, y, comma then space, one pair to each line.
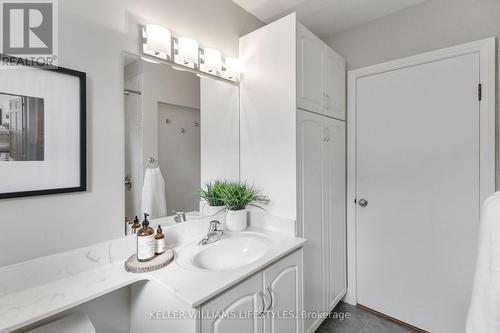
418, 168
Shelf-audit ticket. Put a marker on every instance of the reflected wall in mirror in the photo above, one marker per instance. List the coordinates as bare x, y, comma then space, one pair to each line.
181, 131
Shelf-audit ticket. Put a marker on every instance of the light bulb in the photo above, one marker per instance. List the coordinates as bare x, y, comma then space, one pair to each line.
187, 53
212, 61
233, 69
158, 41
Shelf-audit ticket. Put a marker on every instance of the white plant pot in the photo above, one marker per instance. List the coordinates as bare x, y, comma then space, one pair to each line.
212, 210
236, 220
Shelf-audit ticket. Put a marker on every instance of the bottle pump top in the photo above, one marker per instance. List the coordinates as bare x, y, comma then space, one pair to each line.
145, 223
159, 230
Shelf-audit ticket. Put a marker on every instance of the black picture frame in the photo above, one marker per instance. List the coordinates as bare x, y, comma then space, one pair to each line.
82, 76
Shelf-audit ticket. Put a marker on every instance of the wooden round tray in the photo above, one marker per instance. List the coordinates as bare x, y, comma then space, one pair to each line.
132, 265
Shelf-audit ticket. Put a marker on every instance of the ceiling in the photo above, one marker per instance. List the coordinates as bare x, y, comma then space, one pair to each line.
325, 17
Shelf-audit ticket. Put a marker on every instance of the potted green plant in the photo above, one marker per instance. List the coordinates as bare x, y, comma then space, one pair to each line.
212, 195
237, 197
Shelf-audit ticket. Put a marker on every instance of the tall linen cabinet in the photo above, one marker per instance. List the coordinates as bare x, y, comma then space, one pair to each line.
292, 146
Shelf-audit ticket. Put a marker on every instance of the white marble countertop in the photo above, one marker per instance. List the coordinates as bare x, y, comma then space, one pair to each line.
42, 287
31, 305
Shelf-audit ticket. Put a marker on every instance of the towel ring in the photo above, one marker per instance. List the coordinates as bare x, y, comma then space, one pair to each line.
152, 163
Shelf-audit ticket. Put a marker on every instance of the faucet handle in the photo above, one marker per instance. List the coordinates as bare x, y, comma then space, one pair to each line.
213, 226
180, 216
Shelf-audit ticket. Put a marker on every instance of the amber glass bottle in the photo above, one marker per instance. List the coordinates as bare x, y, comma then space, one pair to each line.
136, 226
145, 241
160, 245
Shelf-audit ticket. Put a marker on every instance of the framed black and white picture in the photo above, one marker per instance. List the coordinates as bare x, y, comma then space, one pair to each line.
42, 129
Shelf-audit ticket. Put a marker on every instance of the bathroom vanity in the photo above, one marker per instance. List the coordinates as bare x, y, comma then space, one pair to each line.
220, 287
245, 274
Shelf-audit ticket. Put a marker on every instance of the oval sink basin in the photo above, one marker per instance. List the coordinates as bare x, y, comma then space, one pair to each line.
231, 252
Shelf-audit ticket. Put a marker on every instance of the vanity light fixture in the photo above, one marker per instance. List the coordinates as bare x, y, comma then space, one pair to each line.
232, 69
211, 61
158, 41
187, 52
184, 53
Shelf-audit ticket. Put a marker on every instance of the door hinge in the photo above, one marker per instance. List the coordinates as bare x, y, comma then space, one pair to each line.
480, 91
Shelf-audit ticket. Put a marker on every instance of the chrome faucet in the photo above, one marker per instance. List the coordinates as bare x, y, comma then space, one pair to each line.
213, 234
179, 217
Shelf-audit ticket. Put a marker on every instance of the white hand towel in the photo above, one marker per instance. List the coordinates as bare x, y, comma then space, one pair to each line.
153, 194
484, 309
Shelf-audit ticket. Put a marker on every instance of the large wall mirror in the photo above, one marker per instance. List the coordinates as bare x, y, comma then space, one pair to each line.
181, 131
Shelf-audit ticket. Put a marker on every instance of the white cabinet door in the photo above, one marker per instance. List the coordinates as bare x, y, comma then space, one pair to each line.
283, 291
311, 222
235, 308
334, 84
321, 185
309, 70
334, 174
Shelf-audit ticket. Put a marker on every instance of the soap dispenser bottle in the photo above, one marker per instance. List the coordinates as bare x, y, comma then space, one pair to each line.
145, 241
160, 245
135, 226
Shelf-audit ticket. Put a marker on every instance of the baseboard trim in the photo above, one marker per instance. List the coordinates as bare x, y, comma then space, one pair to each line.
399, 322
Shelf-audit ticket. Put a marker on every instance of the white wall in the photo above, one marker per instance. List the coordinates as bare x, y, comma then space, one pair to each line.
434, 24
92, 35
431, 25
220, 131
268, 120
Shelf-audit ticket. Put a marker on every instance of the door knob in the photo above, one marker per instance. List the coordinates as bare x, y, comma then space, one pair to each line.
363, 202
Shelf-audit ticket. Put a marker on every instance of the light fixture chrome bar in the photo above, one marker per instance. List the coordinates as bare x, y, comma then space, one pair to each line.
187, 69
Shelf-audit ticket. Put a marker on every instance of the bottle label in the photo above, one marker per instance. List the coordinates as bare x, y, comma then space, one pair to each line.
145, 247
160, 246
